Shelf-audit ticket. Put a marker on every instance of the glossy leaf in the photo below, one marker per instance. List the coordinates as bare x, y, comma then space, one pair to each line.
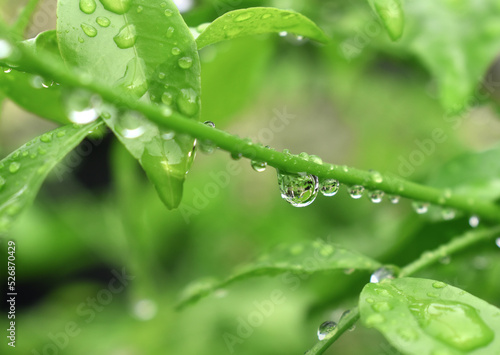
457, 41
299, 258
145, 49
258, 20
391, 14
474, 174
420, 316
23, 172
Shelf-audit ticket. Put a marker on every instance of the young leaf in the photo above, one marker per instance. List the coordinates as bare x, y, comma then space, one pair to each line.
146, 49
299, 258
420, 316
391, 14
23, 172
258, 20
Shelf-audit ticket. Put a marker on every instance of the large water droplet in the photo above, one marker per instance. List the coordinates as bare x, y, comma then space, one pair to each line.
117, 6
126, 37
5, 49
80, 106
381, 274
329, 187
103, 21
456, 324
474, 221
14, 167
188, 102
326, 328
299, 190
131, 125
168, 12
258, 165
89, 30
88, 6
376, 196
356, 191
134, 80
420, 207
185, 62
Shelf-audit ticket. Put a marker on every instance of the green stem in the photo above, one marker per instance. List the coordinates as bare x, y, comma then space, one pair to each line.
24, 18
282, 161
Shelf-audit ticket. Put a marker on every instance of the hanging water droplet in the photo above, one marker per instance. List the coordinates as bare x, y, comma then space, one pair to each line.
326, 328
474, 221
448, 213
14, 167
394, 199
176, 51
185, 62
381, 274
87, 6
299, 190
80, 106
207, 146
236, 156
89, 30
283, 33
126, 37
376, 196
258, 166
117, 6
103, 21
420, 207
356, 191
329, 187
61, 134
131, 125
344, 316
188, 102
36, 82
5, 49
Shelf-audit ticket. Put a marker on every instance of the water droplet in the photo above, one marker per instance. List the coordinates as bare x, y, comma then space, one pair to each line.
497, 242
61, 134
126, 37
474, 221
188, 102
344, 316
117, 6
176, 51
167, 98
356, 191
168, 12
170, 32
394, 199
46, 137
243, 17
185, 62
163, 4
381, 274
376, 177
373, 319
456, 324
14, 167
81, 40
7, 71
381, 306
420, 207
131, 125
326, 328
315, 159
145, 309
299, 190
439, 284
283, 33
140, 9
134, 79
89, 30
258, 166
329, 187
236, 156
87, 6
80, 106
103, 21
376, 196
448, 213
207, 146
5, 49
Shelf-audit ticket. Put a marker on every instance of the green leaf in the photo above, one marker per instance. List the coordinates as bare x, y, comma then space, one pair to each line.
474, 174
391, 14
420, 316
23, 172
146, 49
299, 258
258, 20
457, 41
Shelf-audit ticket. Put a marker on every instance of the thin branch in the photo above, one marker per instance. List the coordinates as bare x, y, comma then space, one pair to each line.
233, 144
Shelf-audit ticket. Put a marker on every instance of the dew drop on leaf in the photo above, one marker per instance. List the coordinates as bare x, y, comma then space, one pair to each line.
126, 37
168, 12
187, 102
117, 6
329, 187
299, 190
326, 328
80, 106
103, 21
185, 62
356, 191
474, 221
87, 6
381, 274
243, 17
170, 32
140, 9
376, 196
46, 137
176, 51
5, 49
14, 167
131, 125
420, 207
236, 156
89, 30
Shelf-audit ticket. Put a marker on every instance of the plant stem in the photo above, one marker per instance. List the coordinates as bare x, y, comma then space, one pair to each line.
282, 161
24, 18
426, 259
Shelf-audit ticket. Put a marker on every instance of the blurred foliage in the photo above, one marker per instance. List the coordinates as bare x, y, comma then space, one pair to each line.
367, 108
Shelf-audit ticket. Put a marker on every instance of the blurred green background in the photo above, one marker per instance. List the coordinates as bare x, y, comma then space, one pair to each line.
364, 108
